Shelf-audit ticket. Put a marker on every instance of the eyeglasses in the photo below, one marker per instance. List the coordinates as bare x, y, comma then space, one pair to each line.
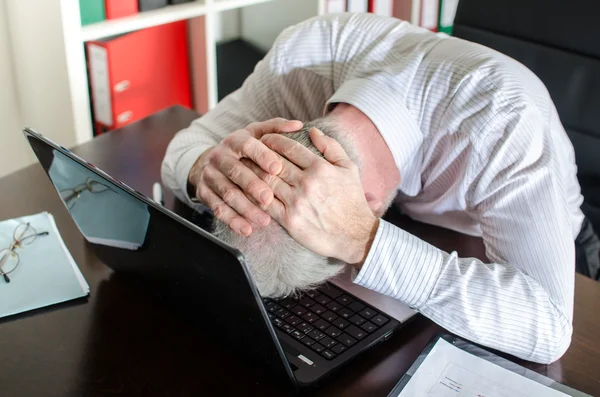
23, 236
70, 196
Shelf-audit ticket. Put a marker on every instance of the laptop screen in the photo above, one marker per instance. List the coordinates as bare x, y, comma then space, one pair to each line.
188, 268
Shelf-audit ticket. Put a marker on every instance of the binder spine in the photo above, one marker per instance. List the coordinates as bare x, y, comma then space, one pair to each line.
100, 83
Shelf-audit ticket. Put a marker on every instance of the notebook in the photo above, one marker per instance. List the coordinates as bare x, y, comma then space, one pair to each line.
45, 274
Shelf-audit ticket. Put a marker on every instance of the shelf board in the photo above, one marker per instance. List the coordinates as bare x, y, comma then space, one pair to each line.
224, 5
143, 20
160, 16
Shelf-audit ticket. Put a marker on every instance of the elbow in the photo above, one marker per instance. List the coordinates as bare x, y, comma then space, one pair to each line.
555, 347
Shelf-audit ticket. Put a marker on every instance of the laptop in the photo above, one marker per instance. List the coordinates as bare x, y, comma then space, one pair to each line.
300, 339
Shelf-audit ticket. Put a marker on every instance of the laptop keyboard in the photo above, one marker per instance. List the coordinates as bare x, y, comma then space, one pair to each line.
327, 320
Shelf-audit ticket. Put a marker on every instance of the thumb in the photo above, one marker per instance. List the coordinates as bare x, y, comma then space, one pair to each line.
331, 149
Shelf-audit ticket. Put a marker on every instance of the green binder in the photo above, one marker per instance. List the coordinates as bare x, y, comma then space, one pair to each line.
92, 11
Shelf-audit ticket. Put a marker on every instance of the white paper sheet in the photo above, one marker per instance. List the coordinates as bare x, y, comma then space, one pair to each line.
451, 372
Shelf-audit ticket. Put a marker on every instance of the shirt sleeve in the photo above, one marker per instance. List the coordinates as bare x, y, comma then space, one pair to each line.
521, 302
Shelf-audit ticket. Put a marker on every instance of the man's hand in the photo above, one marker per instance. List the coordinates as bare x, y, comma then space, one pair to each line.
227, 186
320, 202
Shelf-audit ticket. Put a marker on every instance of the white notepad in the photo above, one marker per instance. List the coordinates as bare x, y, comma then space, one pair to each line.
46, 274
452, 367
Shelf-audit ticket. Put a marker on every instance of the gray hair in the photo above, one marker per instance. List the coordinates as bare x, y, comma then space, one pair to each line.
279, 265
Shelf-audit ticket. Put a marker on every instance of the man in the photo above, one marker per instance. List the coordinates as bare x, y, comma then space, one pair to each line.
469, 140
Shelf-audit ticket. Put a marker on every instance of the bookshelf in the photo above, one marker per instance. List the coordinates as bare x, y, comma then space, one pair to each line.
47, 42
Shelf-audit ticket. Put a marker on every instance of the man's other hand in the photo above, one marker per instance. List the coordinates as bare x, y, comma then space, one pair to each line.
320, 202
227, 186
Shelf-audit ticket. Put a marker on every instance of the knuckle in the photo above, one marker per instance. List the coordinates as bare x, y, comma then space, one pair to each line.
293, 222
289, 149
248, 145
252, 126
228, 195
307, 185
220, 210
321, 167
255, 187
232, 172
270, 179
201, 191
228, 141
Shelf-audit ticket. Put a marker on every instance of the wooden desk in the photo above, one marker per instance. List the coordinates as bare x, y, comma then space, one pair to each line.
120, 342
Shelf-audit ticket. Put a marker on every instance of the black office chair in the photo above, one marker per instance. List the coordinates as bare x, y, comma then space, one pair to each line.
558, 40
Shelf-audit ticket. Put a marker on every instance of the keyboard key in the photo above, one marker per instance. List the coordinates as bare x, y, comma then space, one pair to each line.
356, 306
271, 316
266, 300
345, 300
334, 306
327, 342
316, 335
304, 327
346, 339
278, 322
329, 316
282, 313
293, 320
333, 332
367, 313
356, 332
310, 317
321, 324
380, 320
298, 310
272, 307
287, 303
331, 291
317, 347
306, 302
318, 309
312, 293
345, 313
322, 299
337, 349
340, 323
369, 326
328, 354
297, 334
308, 341
287, 328
356, 319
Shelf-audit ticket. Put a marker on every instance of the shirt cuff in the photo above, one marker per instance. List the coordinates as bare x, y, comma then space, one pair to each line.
401, 265
383, 105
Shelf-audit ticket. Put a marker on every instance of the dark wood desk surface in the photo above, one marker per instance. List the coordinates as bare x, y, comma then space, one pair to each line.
119, 342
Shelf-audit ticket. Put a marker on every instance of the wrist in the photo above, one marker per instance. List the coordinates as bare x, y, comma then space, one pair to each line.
195, 174
362, 244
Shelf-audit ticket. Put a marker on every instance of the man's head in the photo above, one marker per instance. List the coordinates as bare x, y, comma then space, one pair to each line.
278, 264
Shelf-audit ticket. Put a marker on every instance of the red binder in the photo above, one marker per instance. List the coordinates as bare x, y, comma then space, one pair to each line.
137, 74
120, 8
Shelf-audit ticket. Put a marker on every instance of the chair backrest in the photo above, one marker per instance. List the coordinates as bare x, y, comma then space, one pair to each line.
558, 40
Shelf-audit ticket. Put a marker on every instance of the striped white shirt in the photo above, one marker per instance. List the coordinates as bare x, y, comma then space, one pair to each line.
480, 149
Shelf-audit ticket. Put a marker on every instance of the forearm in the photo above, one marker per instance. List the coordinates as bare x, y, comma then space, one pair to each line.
496, 305
182, 153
